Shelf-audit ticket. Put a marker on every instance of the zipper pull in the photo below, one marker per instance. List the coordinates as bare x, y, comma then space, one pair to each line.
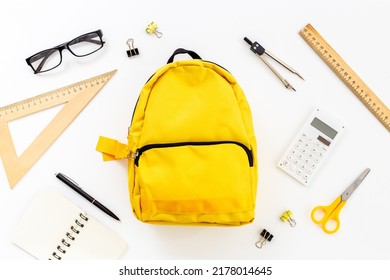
132, 155
136, 156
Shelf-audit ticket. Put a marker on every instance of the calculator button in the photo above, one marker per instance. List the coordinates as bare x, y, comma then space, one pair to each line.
313, 166
306, 177
309, 171
299, 172
285, 163
296, 161
293, 167
303, 166
289, 157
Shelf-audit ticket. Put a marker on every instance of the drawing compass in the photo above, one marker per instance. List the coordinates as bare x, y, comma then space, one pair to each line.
260, 51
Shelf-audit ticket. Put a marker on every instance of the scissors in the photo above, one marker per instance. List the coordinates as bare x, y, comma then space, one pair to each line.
328, 216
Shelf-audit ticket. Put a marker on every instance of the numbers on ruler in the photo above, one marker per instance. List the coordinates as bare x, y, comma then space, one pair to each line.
372, 102
327, 55
51, 97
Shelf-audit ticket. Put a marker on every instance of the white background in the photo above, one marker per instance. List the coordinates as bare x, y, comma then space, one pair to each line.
358, 30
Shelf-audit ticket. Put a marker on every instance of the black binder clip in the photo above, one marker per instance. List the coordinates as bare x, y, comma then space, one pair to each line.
132, 51
264, 237
259, 51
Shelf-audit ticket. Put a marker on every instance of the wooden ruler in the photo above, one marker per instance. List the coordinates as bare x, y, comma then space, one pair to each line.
346, 74
76, 96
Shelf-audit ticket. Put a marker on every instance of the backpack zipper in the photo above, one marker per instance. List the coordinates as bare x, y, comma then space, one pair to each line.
139, 151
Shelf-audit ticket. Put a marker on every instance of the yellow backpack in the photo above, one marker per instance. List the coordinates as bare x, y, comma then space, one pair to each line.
191, 150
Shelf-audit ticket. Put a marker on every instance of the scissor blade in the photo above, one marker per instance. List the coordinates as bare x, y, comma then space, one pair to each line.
348, 192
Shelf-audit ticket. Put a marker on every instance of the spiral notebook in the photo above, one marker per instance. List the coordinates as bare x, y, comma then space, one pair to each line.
55, 228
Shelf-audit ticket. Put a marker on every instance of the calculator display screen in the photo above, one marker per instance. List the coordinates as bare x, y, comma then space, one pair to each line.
324, 128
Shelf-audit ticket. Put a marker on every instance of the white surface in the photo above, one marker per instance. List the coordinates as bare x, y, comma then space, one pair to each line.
215, 30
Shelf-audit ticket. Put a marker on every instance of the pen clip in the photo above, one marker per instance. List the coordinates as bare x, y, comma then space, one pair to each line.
69, 179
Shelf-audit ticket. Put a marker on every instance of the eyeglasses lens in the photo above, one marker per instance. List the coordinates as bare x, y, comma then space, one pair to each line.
46, 60
85, 44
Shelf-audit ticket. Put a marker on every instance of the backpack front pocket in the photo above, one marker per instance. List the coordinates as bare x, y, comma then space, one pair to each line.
179, 180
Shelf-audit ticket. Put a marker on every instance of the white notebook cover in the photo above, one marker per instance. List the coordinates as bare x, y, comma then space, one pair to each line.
43, 229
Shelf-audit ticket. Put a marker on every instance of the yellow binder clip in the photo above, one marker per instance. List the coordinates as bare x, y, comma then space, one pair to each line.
152, 28
287, 216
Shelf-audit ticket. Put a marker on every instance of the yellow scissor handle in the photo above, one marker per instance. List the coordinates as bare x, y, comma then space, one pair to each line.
328, 216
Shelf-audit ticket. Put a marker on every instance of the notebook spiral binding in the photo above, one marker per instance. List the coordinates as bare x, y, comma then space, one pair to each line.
70, 236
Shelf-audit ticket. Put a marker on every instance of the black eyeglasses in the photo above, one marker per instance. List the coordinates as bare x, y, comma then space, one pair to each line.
81, 46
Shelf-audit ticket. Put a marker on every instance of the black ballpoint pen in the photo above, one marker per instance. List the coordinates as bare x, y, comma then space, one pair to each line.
73, 185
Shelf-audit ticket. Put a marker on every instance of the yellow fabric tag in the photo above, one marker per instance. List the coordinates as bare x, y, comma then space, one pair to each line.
111, 149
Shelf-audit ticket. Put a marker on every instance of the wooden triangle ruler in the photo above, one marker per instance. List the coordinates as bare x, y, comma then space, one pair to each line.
76, 96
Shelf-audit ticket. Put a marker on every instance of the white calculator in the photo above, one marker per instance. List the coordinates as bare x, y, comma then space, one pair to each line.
311, 146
